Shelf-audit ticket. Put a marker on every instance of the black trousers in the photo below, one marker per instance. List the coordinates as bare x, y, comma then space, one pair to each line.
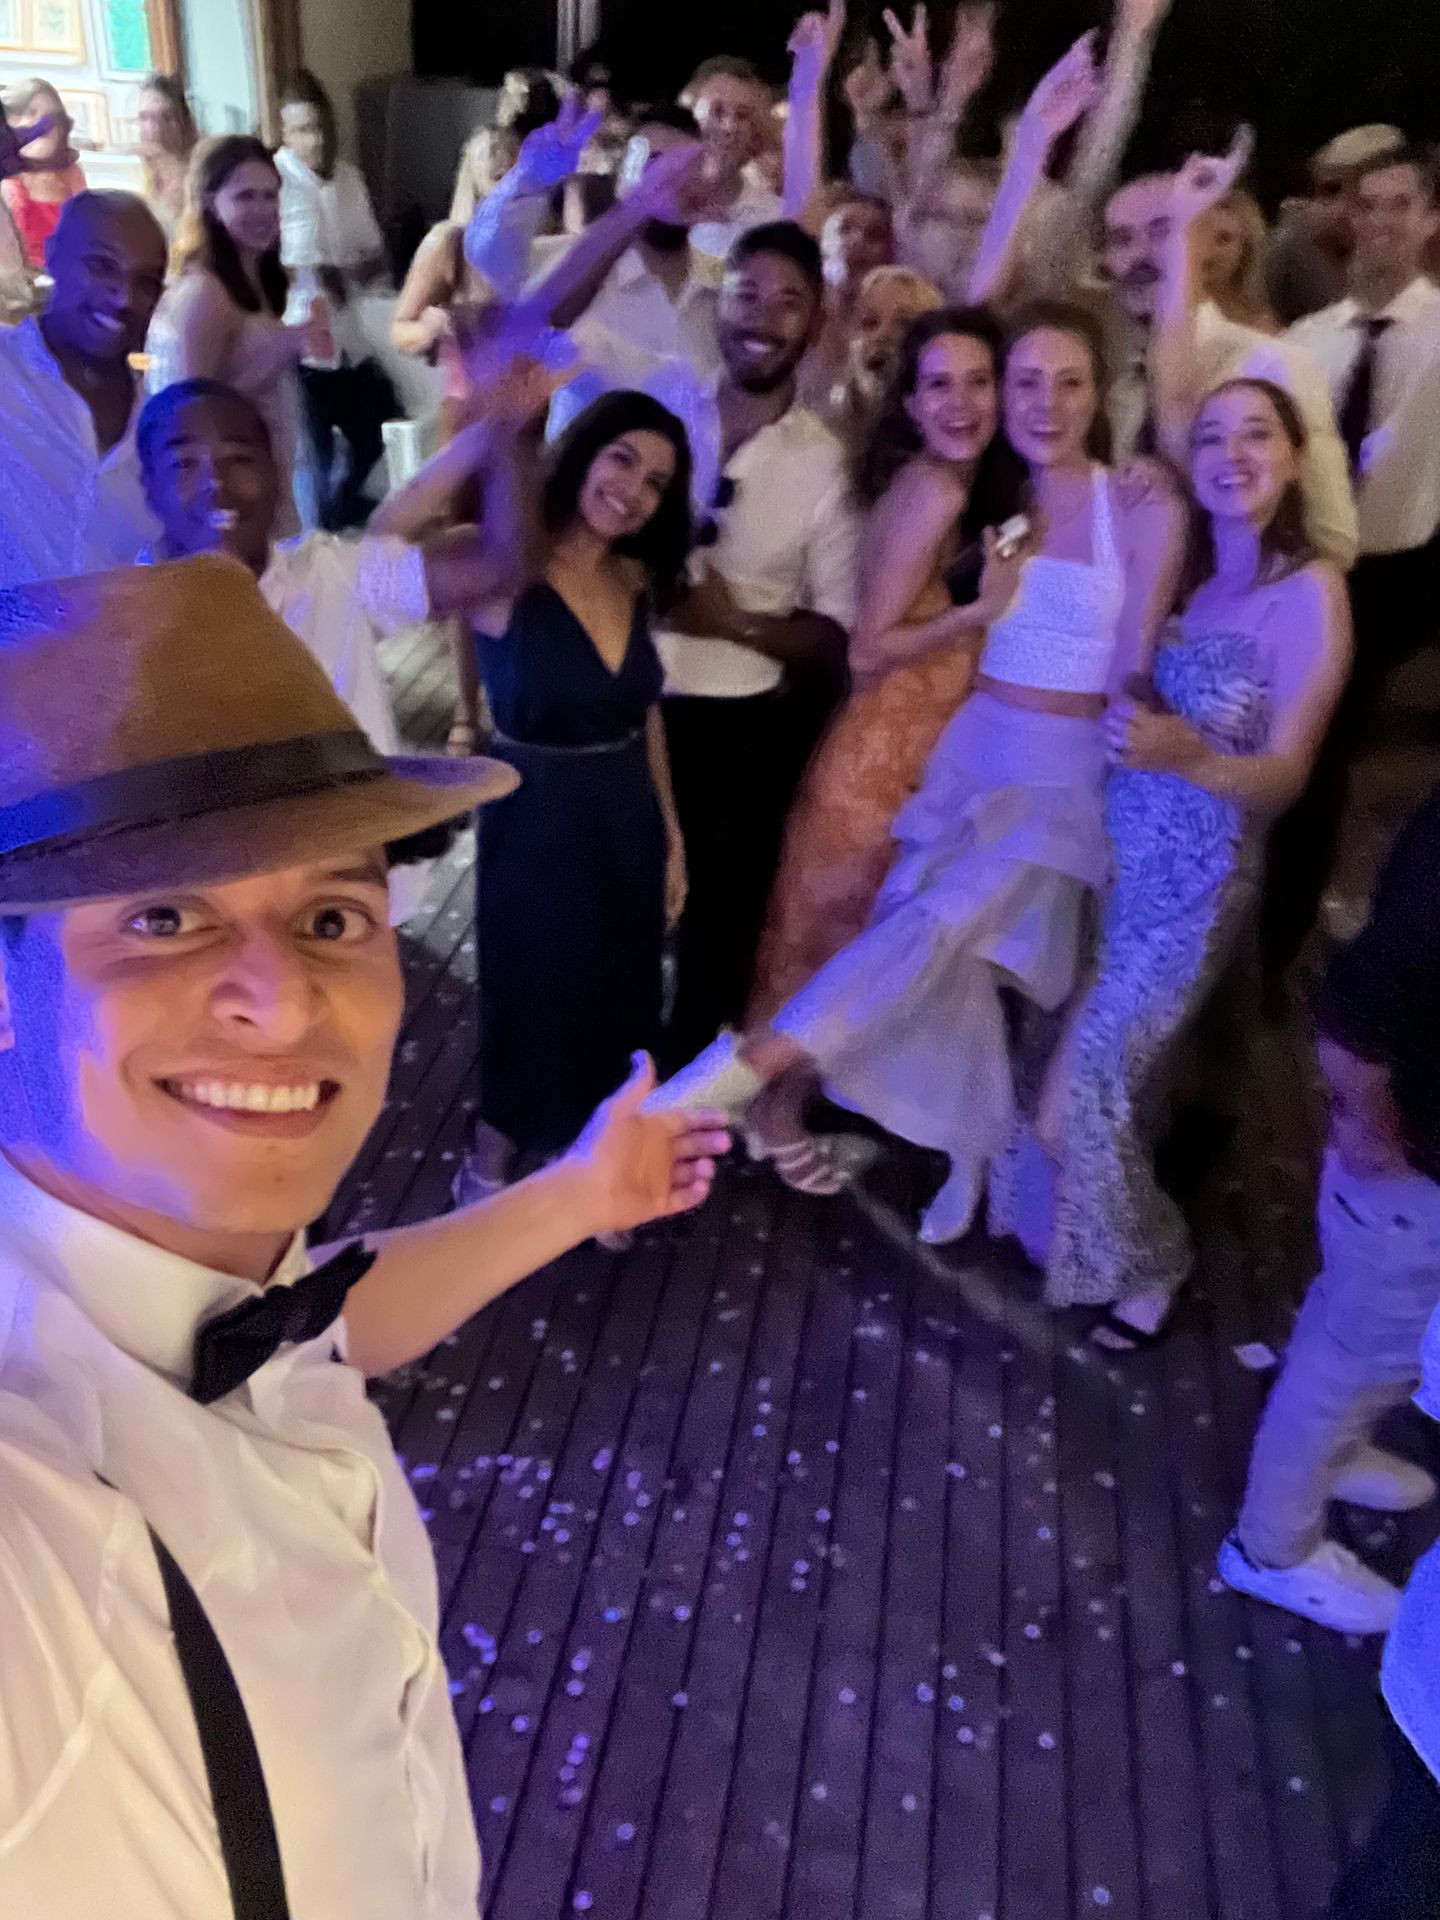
1396, 1874
345, 409
1393, 604
735, 765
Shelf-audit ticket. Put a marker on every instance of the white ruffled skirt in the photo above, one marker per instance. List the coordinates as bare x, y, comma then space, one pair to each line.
995, 858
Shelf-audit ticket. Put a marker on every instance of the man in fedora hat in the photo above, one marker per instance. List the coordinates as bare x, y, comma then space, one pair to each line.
220, 1692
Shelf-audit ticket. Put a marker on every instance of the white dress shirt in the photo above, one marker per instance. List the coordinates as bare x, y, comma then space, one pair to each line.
754, 206
326, 223
287, 1511
1399, 494
1228, 351
65, 507
787, 540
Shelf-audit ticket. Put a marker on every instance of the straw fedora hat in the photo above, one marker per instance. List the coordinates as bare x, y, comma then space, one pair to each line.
161, 727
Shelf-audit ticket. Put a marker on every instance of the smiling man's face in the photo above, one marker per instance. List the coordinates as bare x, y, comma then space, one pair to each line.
200, 1066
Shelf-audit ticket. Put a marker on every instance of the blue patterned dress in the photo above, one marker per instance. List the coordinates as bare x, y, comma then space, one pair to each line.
1186, 867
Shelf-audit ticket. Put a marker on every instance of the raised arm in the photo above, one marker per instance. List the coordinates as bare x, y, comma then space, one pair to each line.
812, 49
938, 101
1176, 380
1064, 95
1106, 134
509, 218
1310, 665
668, 189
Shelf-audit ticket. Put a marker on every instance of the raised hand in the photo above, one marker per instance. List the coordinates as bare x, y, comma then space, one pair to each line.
1206, 178
911, 67
639, 1167
1142, 16
672, 187
14, 140
970, 59
867, 87
551, 154
815, 42
1067, 92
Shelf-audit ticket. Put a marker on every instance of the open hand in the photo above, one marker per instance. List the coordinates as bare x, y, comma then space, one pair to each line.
911, 67
550, 155
636, 1167
1066, 93
1206, 178
970, 60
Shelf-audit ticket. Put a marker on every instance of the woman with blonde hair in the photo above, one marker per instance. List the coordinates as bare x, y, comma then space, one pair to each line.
850, 400
1233, 239
168, 136
52, 175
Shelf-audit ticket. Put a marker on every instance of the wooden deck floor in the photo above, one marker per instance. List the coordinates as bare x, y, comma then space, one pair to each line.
788, 1570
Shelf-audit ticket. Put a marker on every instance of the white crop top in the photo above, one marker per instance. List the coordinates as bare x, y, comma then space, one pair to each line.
1060, 632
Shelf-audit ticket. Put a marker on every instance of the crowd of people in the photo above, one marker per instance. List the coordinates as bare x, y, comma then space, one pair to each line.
929, 602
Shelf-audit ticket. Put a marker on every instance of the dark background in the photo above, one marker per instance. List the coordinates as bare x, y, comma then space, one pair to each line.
1300, 70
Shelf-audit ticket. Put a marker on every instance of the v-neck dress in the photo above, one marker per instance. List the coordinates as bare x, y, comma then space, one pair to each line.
570, 907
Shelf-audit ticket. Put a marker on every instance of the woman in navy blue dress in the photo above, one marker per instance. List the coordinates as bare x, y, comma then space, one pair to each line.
582, 868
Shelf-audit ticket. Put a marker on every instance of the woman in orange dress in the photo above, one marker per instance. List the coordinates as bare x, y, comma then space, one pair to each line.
932, 477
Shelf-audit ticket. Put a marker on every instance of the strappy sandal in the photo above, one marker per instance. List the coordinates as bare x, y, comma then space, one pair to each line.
805, 1166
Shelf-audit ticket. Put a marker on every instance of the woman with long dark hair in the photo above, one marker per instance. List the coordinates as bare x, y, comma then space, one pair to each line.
222, 315
999, 852
931, 477
582, 869
1243, 689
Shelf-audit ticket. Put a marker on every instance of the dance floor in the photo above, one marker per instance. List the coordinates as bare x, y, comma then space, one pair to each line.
787, 1569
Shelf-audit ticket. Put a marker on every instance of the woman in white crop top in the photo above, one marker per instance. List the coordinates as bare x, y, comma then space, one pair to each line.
999, 851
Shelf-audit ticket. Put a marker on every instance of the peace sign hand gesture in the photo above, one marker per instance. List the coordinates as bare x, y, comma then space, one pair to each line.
815, 42
551, 154
910, 65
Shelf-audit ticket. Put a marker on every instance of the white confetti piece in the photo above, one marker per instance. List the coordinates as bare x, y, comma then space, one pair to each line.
1255, 1356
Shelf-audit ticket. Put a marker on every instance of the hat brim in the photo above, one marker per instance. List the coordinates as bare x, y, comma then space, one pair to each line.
238, 843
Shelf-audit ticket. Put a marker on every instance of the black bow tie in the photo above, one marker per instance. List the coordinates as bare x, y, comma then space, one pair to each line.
229, 1348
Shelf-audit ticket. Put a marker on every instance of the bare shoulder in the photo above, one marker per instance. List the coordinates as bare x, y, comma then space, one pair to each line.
1316, 600
921, 488
1150, 512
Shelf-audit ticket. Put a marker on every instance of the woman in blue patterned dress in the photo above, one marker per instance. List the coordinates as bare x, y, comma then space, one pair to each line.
1243, 688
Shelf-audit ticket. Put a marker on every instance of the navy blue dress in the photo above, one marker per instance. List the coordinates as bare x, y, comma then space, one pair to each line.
570, 909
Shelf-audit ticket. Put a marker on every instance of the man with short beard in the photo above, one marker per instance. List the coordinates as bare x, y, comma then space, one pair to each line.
1133, 248
756, 651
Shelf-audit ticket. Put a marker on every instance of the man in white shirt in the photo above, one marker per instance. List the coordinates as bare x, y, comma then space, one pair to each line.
635, 292
1136, 233
734, 110
70, 493
221, 1688
332, 245
212, 481
755, 653
1379, 352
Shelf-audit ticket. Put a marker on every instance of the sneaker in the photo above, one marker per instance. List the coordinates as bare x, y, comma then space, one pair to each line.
1332, 1587
1384, 1482
717, 1078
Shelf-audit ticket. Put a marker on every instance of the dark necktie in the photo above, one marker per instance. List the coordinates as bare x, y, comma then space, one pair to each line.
1359, 401
229, 1348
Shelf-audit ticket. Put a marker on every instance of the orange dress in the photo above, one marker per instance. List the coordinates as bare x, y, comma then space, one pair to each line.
838, 845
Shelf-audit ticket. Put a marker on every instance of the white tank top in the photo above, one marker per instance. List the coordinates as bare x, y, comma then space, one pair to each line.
1060, 632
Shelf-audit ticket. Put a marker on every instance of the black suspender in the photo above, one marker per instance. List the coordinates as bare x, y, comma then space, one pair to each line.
232, 1765
248, 1841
